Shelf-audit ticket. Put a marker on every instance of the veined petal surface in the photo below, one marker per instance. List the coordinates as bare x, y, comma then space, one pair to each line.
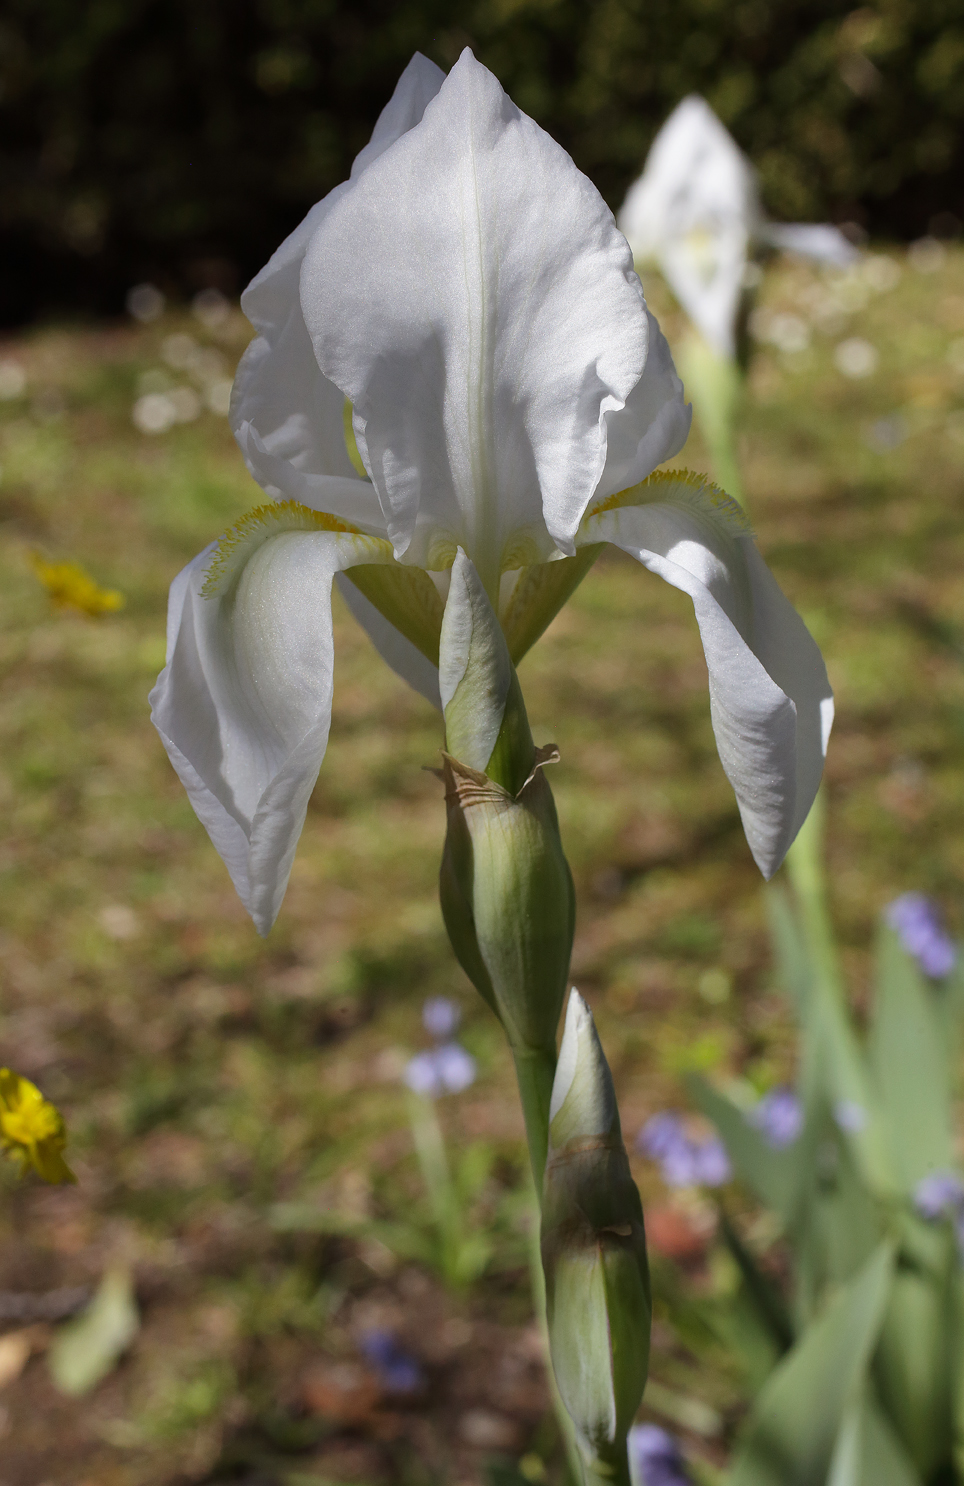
286, 415
473, 299
243, 705
770, 700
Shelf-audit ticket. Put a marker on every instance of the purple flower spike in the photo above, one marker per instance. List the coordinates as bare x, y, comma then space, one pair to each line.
655, 1457
917, 922
940, 1193
778, 1117
440, 1017
397, 1371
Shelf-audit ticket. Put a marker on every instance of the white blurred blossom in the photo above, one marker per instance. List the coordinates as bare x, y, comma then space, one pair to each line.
696, 212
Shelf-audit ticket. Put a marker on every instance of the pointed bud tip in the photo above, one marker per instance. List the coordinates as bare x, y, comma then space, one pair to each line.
475, 672
582, 1091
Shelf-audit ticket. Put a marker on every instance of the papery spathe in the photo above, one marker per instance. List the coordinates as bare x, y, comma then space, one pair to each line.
453, 351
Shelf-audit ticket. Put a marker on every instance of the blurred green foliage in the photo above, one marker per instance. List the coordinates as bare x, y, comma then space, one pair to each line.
180, 142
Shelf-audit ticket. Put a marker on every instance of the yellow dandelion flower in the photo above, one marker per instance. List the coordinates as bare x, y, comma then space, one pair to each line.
32, 1129
70, 587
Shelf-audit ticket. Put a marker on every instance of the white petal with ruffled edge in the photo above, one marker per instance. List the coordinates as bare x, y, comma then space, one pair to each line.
287, 417
770, 700
243, 705
653, 426
473, 299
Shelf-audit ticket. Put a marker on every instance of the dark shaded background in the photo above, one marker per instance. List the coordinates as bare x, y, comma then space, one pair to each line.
180, 140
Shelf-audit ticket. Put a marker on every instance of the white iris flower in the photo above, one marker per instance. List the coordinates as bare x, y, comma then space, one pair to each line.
453, 350
696, 212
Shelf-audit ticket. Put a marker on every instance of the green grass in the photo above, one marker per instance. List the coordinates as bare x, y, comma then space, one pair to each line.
208, 1075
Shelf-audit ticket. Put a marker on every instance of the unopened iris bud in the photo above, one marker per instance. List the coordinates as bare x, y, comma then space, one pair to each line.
594, 1254
506, 889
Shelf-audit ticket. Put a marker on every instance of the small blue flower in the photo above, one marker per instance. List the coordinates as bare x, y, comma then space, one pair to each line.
713, 1167
397, 1371
917, 921
655, 1457
660, 1134
778, 1117
939, 1194
850, 1116
440, 1017
441, 1070
684, 1161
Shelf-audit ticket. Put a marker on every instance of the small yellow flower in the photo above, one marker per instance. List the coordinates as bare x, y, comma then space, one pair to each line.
32, 1129
70, 587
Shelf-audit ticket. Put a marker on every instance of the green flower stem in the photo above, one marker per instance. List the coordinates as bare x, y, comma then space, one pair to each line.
716, 384
535, 1069
537, 1278
597, 1474
805, 866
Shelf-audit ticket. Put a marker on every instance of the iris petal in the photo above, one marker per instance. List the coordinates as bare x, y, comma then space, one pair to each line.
770, 700
243, 705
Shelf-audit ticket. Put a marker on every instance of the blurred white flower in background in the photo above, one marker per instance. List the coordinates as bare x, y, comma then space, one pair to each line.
886, 434
13, 381
160, 405
696, 212
154, 413
145, 303
856, 358
211, 308
927, 255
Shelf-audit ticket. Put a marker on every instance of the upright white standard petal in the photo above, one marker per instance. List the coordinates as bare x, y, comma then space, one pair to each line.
472, 298
287, 417
695, 211
770, 700
243, 705
652, 427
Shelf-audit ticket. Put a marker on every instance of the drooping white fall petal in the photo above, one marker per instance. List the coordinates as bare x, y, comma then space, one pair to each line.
770, 699
695, 211
243, 705
287, 417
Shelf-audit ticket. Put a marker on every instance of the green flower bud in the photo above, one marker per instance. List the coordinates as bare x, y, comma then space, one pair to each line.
506, 889
486, 727
594, 1254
